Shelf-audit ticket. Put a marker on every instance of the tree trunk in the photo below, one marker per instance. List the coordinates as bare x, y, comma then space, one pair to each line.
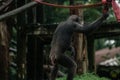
4, 41
80, 44
81, 53
4, 38
81, 48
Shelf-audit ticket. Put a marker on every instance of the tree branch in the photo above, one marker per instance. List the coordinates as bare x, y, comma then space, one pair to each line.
5, 4
18, 10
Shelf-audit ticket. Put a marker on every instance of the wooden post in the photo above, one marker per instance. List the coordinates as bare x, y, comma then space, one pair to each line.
31, 57
91, 54
34, 58
4, 41
4, 47
21, 44
35, 49
21, 54
40, 61
80, 44
82, 47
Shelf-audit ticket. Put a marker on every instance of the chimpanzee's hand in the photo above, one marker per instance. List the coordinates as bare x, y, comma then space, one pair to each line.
52, 58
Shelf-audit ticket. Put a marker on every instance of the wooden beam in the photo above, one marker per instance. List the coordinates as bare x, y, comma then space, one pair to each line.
109, 27
18, 10
107, 30
105, 34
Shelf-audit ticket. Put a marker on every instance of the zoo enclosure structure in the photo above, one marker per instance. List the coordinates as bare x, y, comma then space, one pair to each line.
33, 34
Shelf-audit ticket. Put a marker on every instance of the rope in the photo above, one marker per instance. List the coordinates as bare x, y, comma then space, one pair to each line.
77, 6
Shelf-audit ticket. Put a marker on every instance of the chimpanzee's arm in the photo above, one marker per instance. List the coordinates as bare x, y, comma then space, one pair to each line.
92, 26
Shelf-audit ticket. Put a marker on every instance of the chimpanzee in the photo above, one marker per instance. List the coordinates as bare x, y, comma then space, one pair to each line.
62, 39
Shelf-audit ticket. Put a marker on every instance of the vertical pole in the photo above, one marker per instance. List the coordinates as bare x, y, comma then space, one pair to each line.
21, 54
91, 54
39, 62
21, 17
30, 15
40, 44
40, 14
80, 43
4, 43
21, 43
82, 47
34, 58
72, 11
31, 57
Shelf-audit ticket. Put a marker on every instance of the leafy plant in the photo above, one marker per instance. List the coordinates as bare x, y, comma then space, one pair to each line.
86, 76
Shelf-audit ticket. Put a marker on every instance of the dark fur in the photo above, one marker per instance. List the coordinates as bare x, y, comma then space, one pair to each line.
61, 42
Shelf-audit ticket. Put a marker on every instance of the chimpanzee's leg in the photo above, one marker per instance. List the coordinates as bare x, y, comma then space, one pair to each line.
70, 64
54, 71
72, 49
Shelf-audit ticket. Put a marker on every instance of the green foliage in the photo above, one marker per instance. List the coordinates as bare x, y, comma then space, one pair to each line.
91, 14
56, 15
99, 43
111, 71
86, 76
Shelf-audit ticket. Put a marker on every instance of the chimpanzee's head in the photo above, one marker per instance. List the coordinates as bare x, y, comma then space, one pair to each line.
74, 18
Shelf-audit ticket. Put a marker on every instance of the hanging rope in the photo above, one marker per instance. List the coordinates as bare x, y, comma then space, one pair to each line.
75, 6
20, 9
